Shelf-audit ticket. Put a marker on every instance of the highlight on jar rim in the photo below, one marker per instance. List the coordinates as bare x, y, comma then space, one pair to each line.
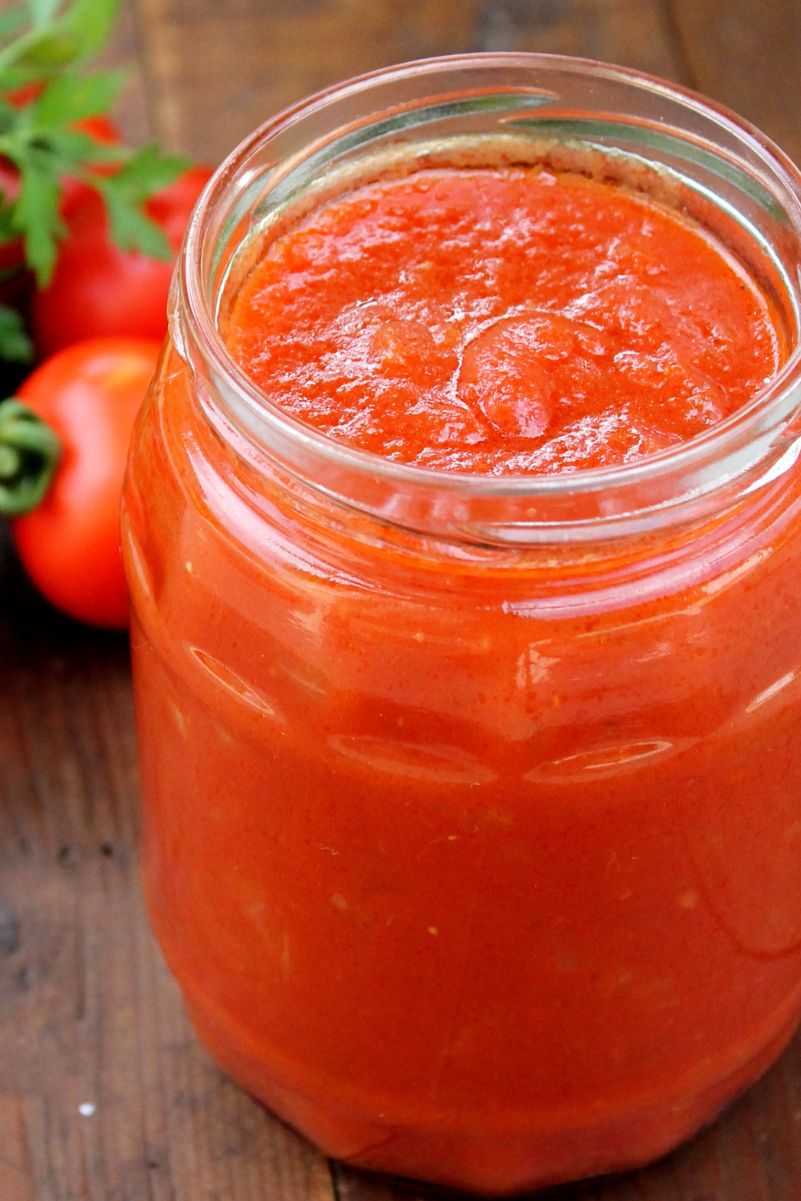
462, 527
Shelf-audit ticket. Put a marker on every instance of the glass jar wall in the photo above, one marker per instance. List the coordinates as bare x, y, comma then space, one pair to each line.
472, 805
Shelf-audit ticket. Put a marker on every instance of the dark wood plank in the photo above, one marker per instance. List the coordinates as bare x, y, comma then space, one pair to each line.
209, 97
747, 53
635, 33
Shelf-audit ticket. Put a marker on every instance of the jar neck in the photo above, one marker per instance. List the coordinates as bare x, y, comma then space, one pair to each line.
254, 504
465, 110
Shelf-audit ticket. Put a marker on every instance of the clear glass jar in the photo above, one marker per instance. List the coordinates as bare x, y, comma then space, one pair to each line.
472, 806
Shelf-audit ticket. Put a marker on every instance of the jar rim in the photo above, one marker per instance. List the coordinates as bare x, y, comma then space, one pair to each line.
770, 408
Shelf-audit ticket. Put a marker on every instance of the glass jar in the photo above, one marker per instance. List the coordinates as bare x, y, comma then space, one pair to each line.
472, 805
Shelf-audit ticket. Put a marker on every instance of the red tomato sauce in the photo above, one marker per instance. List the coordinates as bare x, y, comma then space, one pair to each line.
502, 321
480, 868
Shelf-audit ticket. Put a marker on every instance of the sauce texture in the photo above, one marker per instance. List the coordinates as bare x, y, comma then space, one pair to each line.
502, 321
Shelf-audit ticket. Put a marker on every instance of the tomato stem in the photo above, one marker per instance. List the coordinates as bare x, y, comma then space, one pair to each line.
29, 453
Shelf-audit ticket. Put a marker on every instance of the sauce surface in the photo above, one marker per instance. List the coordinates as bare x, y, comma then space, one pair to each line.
502, 321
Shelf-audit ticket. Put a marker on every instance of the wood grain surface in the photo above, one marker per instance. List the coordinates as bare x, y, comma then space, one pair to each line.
104, 1094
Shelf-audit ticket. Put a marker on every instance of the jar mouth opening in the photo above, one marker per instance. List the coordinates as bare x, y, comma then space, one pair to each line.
740, 438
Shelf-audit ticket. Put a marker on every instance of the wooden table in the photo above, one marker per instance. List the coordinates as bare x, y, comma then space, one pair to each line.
104, 1094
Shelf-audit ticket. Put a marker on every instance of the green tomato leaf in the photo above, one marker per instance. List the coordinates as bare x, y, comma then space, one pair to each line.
35, 212
10, 22
15, 345
42, 11
7, 230
91, 22
76, 97
147, 171
17, 76
49, 49
56, 40
131, 228
9, 116
74, 149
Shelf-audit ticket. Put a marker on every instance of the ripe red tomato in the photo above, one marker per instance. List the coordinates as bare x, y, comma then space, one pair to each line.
69, 544
99, 290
